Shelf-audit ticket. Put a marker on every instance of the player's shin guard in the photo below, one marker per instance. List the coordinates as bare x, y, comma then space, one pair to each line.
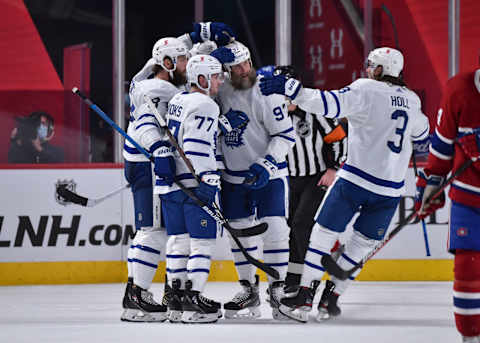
178, 251
356, 248
198, 265
147, 247
466, 292
275, 246
246, 271
322, 241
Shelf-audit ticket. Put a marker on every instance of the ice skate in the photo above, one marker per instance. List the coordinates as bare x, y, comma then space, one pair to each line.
297, 307
125, 302
197, 308
140, 307
246, 303
276, 292
327, 307
175, 299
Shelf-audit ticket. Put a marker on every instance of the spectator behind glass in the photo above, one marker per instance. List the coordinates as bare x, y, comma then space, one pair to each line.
29, 141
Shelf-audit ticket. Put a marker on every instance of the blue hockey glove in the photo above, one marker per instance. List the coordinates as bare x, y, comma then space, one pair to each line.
208, 187
232, 120
165, 165
279, 84
223, 54
260, 172
220, 33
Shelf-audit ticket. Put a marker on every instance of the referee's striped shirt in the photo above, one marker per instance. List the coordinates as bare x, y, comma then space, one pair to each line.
320, 143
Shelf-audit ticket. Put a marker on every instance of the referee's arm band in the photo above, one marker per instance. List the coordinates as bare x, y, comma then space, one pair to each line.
337, 134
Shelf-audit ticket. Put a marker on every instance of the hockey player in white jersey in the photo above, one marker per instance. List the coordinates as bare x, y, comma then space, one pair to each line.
384, 118
170, 57
193, 119
254, 182
168, 68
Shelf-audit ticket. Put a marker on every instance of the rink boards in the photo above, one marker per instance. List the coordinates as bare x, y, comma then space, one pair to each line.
43, 241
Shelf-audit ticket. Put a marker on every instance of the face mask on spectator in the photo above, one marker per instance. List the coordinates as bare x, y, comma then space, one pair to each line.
42, 132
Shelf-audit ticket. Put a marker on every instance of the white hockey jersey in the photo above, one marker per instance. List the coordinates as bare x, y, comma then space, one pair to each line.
383, 120
268, 132
144, 128
193, 120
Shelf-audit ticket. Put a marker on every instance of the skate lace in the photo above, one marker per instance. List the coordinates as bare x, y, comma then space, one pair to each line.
242, 296
205, 299
148, 298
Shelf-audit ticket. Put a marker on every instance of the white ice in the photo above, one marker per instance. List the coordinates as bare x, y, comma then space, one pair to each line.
373, 312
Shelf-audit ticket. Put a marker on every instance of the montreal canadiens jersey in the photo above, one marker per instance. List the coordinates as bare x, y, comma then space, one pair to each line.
193, 120
383, 120
143, 127
458, 115
268, 132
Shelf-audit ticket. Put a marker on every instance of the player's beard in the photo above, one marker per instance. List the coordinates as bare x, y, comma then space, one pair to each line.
179, 79
242, 83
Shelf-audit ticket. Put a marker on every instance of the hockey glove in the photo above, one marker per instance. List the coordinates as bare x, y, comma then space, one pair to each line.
223, 54
260, 172
232, 120
220, 33
165, 165
426, 186
280, 85
470, 145
208, 187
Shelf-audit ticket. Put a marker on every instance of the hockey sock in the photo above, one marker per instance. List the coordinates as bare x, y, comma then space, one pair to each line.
178, 251
147, 247
245, 270
130, 261
275, 246
198, 265
357, 247
466, 292
321, 242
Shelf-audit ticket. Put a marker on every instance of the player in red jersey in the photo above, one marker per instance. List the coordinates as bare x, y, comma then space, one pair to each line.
456, 140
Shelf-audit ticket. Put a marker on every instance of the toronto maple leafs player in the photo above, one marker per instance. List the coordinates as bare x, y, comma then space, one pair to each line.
168, 66
170, 56
254, 182
384, 117
192, 119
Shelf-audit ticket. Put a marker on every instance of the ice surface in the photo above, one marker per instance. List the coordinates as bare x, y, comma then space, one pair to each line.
372, 312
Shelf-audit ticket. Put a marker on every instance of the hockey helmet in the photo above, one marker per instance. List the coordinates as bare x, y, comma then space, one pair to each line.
240, 52
204, 65
168, 47
390, 59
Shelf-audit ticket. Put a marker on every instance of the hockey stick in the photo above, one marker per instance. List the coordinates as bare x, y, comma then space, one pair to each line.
334, 269
235, 233
424, 227
74, 198
218, 217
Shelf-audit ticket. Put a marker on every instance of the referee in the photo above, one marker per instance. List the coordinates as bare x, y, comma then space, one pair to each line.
320, 147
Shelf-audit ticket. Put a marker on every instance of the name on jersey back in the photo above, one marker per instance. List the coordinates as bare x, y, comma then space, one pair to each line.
399, 101
175, 110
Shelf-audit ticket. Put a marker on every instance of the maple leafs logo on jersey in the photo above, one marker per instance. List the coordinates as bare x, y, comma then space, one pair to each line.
234, 138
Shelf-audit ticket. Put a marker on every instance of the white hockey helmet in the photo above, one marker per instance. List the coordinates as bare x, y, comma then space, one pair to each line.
240, 52
390, 59
168, 47
204, 65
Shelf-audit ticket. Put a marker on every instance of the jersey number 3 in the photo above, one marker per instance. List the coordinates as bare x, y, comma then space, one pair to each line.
398, 131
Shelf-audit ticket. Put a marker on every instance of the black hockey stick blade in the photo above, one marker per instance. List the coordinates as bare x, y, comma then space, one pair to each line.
69, 196
250, 231
335, 270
